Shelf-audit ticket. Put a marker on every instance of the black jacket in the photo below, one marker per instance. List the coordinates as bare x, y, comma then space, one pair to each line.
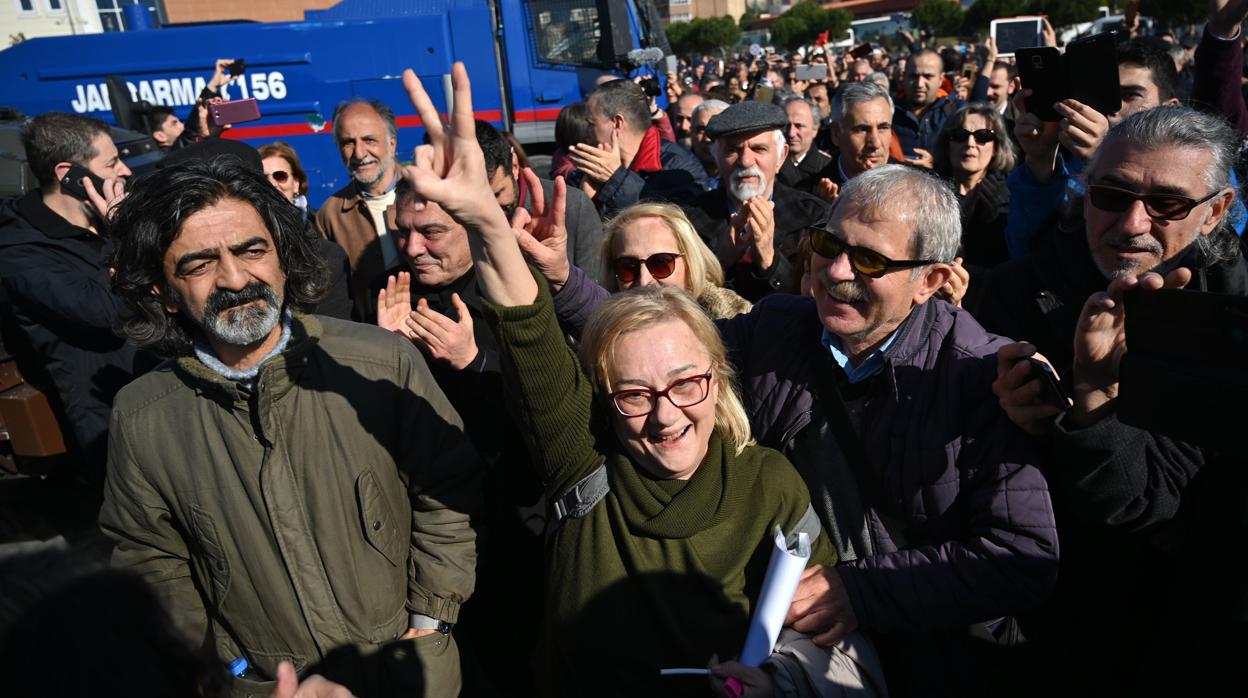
806, 174
681, 179
62, 319
795, 212
985, 210
1150, 525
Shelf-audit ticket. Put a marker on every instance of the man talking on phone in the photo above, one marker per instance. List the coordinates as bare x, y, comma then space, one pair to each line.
53, 250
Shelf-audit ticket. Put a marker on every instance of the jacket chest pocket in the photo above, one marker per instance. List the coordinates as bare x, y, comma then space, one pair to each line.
215, 561
383, 528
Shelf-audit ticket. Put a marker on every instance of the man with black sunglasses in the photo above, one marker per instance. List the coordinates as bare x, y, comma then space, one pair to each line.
1135, 554
881, 397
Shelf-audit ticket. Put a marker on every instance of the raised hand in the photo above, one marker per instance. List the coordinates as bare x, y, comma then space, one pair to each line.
827, 190
1037, 138
1081, 129
955, 288
104, 203
1019, 390
761, 223
597, 162
394, 304
443, 339
922, 158
1101, 342
450, 171
1046, 31
542, 233
1225, 17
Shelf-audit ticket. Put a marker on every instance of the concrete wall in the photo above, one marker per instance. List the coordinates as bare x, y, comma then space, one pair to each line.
74, 17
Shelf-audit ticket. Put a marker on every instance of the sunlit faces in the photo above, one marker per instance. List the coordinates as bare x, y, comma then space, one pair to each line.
640, 239
748, 162
859, 310
366, 146
802, 128
682, 122
999, 88
701, 141
1131, 242
281, 176
670, 442
968, 156
169, 130
923, 79
223, 272
434, 246
107, 162
1139, 91
506, 192
864, 135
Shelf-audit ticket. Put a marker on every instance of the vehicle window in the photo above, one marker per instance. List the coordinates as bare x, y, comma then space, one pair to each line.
567, 31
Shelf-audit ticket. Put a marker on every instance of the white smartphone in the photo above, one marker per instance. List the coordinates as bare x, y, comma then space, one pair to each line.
1013, 33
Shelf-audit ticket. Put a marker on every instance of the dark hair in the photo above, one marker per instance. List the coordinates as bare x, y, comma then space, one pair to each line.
383, 110
56, 137
154, 117
496, 148
1004, 153
287, 153
623, 97
1153, 55
150, 219
571, 127
1007, 67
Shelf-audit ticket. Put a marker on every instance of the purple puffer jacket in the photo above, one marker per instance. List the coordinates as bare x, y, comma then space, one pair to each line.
962, 481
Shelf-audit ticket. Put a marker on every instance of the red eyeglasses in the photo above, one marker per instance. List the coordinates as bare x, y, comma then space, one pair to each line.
660, 265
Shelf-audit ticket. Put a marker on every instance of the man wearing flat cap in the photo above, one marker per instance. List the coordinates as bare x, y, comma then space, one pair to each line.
752, 222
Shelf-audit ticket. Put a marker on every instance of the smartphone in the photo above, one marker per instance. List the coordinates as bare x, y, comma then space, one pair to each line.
238, 67
968, 72
72, 184
1092, 72
235, 112
1041, 70
1052, 391
817, 71
861, 50
763, 93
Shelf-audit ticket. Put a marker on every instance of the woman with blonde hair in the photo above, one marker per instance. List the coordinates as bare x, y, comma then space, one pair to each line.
655, 243
664, 510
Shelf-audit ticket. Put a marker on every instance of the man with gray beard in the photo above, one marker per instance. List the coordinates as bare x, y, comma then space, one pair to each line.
355, 216
294, 487
754, 223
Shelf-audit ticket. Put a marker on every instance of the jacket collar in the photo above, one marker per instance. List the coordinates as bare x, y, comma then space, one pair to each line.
47, 221
278, 374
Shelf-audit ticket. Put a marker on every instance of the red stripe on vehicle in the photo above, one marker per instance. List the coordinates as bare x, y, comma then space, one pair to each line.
303, 129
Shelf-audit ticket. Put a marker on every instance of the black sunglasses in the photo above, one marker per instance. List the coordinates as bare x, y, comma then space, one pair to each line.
1162, 207
280, 176
865, 261
661, 265
982, 136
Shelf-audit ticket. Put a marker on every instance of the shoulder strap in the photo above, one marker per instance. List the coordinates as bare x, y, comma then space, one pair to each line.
582, 497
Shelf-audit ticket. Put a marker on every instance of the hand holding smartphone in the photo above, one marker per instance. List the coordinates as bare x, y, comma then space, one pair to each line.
72, 183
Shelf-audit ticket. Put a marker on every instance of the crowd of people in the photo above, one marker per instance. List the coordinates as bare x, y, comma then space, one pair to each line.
470, 428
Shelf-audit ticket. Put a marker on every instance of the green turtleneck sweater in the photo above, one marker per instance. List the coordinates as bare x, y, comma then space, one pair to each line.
661, 573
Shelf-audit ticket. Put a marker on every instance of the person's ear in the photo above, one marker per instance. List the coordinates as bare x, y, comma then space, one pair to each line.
1219, 207
515, 166
60, 169
784, 156
617, 122
1172, 102
160, 137
165, 299
930, 281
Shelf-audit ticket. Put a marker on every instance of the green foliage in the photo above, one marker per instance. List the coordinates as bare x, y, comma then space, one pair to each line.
747, 18
940, 17
1065, 12
806, 20
701, 35
1176, 12
979, 15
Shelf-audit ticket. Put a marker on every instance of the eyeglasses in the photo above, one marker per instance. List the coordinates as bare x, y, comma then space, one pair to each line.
982, 136
686, 392
279, 176
865, 261
1162, 207
661, 265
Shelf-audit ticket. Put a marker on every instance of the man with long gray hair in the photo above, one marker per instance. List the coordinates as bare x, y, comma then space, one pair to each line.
881, 396
1169, 508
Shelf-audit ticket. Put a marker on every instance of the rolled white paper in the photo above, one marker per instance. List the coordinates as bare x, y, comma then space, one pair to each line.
784, 571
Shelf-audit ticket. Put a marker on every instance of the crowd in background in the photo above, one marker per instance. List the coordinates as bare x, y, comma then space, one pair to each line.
474, 427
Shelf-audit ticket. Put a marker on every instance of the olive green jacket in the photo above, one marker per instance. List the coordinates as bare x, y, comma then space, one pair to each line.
316, 511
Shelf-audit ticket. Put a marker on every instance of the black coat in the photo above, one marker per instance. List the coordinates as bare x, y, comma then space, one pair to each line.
681, 179
806, 174
795, 212
1150, 525
62, 320
985, 210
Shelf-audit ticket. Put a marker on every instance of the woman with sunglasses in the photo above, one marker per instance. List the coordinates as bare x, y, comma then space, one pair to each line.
282, 167
665, 509
648, 244
975, 152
